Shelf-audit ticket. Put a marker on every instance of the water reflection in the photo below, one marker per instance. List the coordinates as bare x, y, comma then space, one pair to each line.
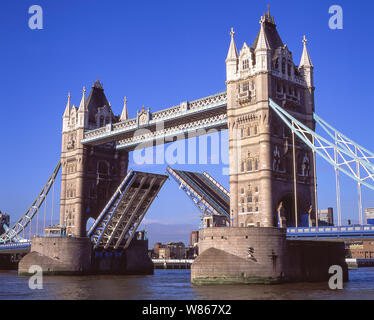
175, 284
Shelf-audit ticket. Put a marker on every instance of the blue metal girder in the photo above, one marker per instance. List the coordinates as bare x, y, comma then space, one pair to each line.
332, 232
12, 234
324, 147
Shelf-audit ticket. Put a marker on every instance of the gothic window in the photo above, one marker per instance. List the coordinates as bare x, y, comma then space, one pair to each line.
276, 66
245, 86
256, 189
289, 70
245, 64
102, 168
256, 164
250, 209
249, 131
249, 165
242, 167
241, 133
279, 89
242, 200
102, 123
256, 209
249, 198
283, 65
242, 191
256, 130
252, 85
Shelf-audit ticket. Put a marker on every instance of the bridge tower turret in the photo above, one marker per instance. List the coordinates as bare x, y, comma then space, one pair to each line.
89, 174
260, 145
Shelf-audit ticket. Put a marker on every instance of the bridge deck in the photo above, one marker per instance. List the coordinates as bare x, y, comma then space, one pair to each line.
207, 193
116, 225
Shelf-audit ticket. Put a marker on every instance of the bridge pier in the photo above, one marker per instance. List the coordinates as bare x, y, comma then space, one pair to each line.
262, 255
75, 256
58, 255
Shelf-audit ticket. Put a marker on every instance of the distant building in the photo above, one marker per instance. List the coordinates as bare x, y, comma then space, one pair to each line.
369, 215
192, 250
326, 217
164, 253
361, 250
194, 238
170, 250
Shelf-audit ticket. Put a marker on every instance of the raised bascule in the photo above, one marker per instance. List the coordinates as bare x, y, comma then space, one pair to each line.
247, 233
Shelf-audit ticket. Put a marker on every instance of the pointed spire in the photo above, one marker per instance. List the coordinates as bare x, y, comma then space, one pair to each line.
68, 107
125, 114
262, 43
305, 58
233, 52
82, 105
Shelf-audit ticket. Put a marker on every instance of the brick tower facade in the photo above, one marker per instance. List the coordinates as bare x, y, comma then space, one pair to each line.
260, 145
89, 174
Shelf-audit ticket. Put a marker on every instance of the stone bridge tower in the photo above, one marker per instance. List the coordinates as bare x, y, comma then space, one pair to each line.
261, 146
89, 174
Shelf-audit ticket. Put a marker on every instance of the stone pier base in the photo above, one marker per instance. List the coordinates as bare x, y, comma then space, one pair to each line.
58, 255
74, 256
262, 255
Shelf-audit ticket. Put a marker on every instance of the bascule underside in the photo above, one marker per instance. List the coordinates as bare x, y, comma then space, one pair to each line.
116, 226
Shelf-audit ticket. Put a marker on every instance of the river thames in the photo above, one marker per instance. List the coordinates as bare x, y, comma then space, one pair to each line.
175, 285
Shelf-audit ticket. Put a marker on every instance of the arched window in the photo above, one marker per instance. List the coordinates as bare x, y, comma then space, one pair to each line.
249, 197
102, 168
249, 165
249, 131
283, 65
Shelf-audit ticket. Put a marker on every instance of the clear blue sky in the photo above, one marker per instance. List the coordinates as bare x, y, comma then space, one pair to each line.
159, 53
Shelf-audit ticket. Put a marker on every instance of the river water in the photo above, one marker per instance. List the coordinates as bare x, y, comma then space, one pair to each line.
175, 285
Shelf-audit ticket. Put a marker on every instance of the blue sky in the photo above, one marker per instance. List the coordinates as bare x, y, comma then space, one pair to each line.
159, 53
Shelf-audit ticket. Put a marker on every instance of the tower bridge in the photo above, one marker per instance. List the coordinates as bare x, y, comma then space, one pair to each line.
268, 109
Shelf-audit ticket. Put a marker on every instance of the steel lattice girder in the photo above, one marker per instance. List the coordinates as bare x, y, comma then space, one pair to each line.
354, 148
336, 153
204, 202
13, 233
116, 225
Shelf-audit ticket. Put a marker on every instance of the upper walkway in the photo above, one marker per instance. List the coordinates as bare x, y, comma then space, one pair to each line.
190, 117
